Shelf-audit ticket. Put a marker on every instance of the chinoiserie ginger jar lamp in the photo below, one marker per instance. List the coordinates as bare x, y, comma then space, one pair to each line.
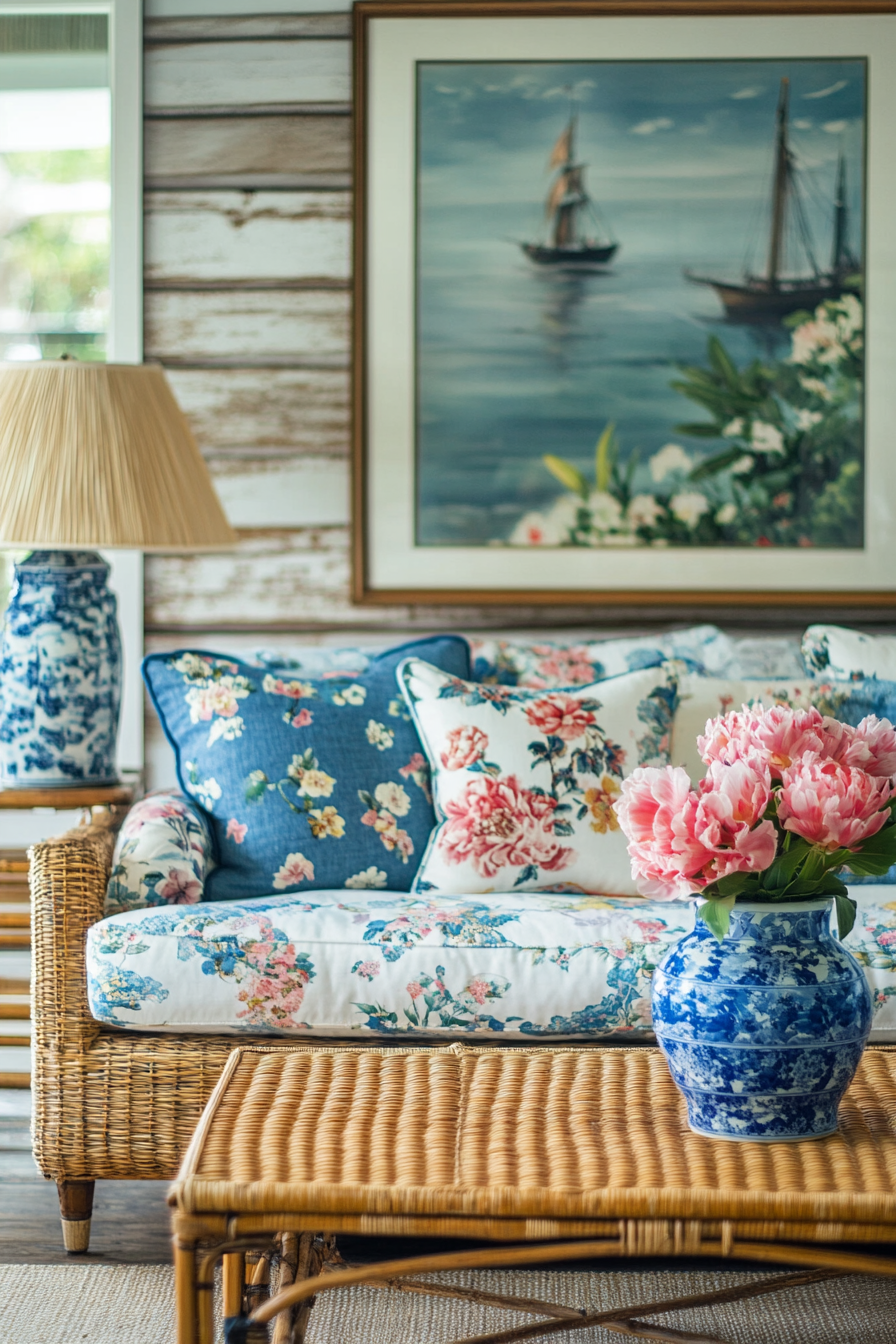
91, 456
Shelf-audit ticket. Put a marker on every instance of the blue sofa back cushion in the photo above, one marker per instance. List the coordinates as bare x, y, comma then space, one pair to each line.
307, 783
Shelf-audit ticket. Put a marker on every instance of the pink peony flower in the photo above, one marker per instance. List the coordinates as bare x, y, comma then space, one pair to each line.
497, 823
680, 841
180, 887
870, 747
463, 746
236, 831
560, 715
831, 805
778, 736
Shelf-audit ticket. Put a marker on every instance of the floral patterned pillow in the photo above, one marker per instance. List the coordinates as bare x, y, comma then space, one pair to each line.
162, 855
525, 780
546, 663
306, 783
848, 655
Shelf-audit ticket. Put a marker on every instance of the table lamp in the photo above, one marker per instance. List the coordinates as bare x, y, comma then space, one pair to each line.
91, 455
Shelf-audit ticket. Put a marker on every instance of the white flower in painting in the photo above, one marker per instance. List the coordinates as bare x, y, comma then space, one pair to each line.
226, 729
726, 514
766, 438
743, 465
818, 386
393, 798
606, 511
806, 419
849, 317
370, 879
689, 506
734, 429
534, 529
644, 510
817, 339
351, 695
379, 736
670, 458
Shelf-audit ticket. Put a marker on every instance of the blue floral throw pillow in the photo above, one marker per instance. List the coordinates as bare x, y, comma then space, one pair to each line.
307, 784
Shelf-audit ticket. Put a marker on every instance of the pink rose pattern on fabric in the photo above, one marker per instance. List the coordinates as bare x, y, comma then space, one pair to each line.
236, 831
559, 715
463, 746
497, 824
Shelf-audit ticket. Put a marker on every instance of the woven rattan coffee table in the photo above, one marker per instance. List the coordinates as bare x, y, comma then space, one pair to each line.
579, 1152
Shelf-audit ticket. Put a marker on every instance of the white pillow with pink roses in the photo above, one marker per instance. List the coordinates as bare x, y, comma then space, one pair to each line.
524, 781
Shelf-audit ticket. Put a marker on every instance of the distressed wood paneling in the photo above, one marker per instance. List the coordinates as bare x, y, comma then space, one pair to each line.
228, 237
248, 146
308, 326
242, 27
283, 492
303, 410
241, 73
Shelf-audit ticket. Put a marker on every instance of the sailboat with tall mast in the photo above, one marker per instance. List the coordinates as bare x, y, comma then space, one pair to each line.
566, 207
769, 297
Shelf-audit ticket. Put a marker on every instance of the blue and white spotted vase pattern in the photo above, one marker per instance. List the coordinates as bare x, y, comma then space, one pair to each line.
60, 673
764, 1030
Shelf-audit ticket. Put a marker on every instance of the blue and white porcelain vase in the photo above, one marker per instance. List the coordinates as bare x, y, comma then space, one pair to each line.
764, 1030
60, 673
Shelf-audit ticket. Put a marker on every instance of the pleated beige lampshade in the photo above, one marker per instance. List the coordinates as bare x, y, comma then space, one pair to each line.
101, 455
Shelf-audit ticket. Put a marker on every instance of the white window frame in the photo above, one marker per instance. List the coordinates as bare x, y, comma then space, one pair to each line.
125, 341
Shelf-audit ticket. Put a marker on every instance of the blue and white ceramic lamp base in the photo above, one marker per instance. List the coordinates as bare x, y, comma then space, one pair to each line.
60, 674
763, 1031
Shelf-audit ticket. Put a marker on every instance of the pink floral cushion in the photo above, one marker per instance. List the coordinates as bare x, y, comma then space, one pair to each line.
162, 855
525, 780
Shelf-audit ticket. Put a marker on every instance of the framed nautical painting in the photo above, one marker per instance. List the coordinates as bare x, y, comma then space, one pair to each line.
625, 302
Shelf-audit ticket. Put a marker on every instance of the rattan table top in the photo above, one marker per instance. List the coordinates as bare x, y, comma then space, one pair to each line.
593, 1132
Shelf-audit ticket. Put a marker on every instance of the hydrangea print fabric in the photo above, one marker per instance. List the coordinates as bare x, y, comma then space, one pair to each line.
307, 783
525, 780
849, 655
378, 963
547, 663
162, 854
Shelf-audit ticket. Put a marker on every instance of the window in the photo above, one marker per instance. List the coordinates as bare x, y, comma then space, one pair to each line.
55, 134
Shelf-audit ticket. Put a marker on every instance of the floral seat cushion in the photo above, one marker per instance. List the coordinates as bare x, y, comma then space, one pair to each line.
374, 963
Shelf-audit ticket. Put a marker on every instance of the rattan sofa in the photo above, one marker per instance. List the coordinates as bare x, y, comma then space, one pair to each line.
107, 1104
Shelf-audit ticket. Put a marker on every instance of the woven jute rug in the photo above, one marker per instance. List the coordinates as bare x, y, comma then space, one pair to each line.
134, 1304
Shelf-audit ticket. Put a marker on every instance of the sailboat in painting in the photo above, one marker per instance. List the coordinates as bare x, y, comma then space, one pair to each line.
769, 297
568, 205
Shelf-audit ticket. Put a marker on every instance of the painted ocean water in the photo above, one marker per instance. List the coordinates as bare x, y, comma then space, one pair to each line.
515, 361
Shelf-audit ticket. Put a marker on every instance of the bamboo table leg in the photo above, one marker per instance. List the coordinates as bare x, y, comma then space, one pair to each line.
185, 1292
234, 1274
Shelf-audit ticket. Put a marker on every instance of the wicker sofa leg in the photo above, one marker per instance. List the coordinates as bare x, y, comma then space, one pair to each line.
76, 1207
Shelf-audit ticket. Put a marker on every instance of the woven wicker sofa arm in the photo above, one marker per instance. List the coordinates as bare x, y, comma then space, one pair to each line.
68, 886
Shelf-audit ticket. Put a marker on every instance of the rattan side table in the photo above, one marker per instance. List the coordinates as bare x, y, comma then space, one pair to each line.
580, 1152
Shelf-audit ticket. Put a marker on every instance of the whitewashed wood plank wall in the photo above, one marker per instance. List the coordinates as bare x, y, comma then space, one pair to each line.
247, 245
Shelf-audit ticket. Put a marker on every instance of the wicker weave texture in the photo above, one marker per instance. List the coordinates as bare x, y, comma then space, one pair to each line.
502, 1133
106, 1104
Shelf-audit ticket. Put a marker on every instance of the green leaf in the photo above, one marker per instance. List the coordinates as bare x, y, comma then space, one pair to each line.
699, 429
567, 474
721, 362
718, 462
846, 914
813, 869
716, 914
877, 855
603, 458
780, 873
